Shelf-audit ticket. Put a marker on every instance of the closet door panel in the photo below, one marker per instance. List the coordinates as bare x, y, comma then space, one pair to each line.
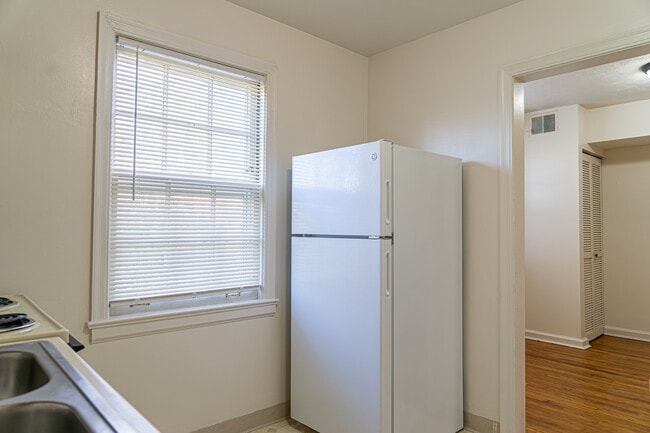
592, 248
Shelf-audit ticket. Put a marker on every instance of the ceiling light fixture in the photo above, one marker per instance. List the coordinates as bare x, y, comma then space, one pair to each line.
646, 69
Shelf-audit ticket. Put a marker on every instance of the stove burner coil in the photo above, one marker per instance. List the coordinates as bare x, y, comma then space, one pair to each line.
6, 302
14, 321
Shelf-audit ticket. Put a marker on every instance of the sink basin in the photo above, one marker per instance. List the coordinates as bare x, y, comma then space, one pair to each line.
20, 373
41, 417
44, 390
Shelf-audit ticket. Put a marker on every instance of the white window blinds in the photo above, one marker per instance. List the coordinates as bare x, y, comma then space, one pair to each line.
187, 170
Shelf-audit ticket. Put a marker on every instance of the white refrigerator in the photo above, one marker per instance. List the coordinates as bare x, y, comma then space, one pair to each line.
376, 299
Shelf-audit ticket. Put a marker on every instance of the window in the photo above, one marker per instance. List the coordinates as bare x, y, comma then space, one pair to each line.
180, 201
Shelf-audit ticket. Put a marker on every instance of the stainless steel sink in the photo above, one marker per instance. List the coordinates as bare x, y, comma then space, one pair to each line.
40, 391
20, 372
42, 417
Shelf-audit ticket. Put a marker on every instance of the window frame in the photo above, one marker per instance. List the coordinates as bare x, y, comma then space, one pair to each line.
102, 326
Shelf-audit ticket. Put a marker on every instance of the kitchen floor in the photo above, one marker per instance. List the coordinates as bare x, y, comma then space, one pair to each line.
286, 426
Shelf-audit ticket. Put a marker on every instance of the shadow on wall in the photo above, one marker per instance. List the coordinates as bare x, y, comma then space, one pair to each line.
480, 283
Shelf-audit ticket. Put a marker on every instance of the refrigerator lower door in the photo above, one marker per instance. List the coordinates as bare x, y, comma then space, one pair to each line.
341, 334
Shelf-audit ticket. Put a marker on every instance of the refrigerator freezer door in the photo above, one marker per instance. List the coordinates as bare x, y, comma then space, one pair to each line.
340, 334
344, 191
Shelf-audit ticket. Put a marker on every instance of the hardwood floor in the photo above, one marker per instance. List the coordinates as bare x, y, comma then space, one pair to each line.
603, 389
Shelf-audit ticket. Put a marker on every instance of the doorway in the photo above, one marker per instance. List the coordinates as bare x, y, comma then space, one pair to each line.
512, 270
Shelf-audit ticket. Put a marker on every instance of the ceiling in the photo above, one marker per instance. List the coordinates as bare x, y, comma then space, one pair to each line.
369, 27
609, 84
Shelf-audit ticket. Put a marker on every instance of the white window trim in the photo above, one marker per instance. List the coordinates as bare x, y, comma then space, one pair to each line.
102, 327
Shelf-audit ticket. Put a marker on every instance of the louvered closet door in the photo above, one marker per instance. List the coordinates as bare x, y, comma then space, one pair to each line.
592, 248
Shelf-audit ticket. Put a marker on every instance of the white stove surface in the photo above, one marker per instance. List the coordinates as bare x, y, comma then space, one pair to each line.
44, 327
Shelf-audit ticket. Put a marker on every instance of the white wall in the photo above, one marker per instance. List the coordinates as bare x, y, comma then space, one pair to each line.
619, 123
442, 93
626, 209
180, 380
552, 227
553, 263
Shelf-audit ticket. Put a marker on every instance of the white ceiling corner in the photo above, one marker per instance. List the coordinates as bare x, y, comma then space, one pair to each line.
369, 27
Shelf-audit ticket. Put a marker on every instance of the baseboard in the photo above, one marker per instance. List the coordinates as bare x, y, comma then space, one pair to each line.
558, 339
271, 415
478, 424
252, 421
631, 334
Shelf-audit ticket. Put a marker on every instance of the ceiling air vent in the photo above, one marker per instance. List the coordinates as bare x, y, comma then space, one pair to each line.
542, 124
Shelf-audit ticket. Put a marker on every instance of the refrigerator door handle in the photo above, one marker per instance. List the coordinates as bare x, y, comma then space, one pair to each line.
387, 202
387, 273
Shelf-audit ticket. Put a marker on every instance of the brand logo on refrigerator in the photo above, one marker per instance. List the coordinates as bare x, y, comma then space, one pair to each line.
374, 156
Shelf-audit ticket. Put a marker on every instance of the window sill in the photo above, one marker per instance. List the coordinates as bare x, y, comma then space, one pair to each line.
155, 323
